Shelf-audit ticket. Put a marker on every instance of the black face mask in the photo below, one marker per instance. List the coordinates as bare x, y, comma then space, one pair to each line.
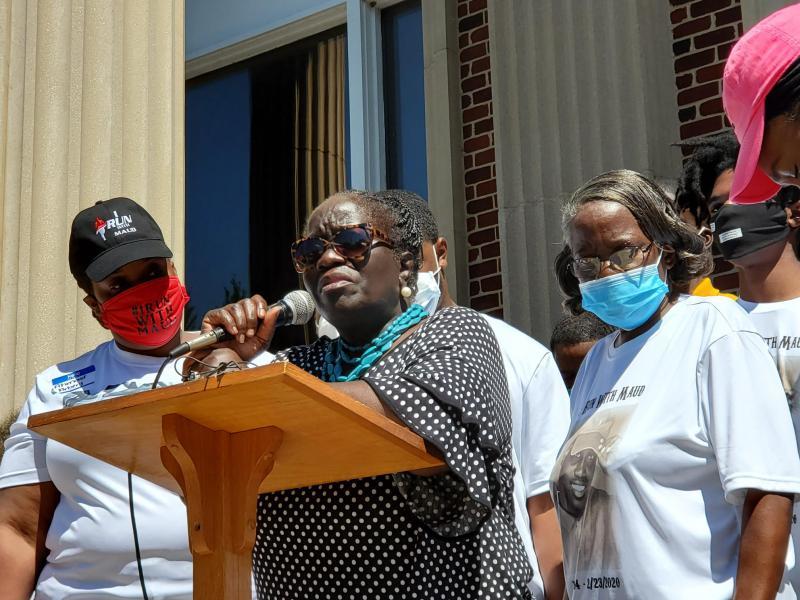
741, 229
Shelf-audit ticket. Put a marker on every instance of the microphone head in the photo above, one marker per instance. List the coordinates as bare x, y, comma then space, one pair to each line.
302, 306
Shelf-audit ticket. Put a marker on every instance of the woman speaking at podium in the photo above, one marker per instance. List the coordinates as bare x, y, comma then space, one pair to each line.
447, 535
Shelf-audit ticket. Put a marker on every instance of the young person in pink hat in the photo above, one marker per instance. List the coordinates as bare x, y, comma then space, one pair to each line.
761, 94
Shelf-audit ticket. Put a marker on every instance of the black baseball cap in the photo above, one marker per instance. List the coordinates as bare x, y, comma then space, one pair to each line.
111, 234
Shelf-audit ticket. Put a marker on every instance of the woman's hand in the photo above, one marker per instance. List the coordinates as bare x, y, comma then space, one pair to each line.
249, 321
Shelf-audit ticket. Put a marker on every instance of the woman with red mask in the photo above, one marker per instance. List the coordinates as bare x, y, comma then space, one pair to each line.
72, 526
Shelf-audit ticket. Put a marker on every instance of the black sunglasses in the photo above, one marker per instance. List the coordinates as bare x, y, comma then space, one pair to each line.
351, 242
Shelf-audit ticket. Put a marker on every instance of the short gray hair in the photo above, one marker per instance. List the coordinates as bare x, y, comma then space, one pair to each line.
657, 218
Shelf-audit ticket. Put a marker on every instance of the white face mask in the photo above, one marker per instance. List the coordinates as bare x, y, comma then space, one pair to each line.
428, 291
324, 328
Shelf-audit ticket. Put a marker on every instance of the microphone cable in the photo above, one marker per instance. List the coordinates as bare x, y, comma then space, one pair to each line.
136, 547
130, 501
160, 372
136, 538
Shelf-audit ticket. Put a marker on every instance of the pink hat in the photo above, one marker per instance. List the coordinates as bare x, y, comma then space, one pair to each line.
754, 66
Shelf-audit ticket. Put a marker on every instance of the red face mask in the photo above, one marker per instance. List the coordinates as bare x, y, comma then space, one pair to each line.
148, 314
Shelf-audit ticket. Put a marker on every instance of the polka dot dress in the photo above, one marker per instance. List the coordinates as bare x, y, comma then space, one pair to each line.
450, 536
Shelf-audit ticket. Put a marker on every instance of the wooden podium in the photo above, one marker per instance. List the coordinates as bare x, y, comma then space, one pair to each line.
221, 441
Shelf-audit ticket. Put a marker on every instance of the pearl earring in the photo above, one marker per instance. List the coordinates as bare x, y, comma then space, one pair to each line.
405, 291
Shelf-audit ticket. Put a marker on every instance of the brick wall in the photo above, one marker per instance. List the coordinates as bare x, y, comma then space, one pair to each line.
480, 173
703, 32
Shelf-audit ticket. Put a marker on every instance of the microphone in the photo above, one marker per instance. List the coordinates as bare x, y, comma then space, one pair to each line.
296, 308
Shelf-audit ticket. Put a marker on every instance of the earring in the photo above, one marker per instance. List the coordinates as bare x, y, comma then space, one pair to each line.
405, 291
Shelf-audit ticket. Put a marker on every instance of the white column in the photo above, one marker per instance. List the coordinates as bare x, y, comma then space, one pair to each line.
444, 136
91, 107
579, 88
755, 10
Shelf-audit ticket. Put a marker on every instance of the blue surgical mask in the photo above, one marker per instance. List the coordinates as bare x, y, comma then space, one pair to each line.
626, 300
428, 291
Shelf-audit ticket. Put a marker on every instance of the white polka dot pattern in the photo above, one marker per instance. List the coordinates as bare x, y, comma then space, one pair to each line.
407, 536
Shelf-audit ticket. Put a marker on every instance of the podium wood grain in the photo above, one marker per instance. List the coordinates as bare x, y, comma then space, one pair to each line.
221, 441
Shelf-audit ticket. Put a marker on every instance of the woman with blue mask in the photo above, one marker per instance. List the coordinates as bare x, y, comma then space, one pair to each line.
685, 490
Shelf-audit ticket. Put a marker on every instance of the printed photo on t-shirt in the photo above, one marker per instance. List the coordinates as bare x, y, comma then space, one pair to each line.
789, 370
582, 491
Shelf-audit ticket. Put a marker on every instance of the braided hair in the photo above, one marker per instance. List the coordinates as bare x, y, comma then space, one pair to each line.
406, 234
418, 208
712, 156
407, 217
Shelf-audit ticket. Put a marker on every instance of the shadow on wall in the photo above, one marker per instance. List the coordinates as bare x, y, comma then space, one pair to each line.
5, 427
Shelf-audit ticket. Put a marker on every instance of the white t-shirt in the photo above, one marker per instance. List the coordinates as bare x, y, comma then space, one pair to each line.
779, 325
90, 538
540, 421
669, 431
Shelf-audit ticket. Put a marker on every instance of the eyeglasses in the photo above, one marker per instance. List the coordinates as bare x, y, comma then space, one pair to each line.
351, 242
587, 269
